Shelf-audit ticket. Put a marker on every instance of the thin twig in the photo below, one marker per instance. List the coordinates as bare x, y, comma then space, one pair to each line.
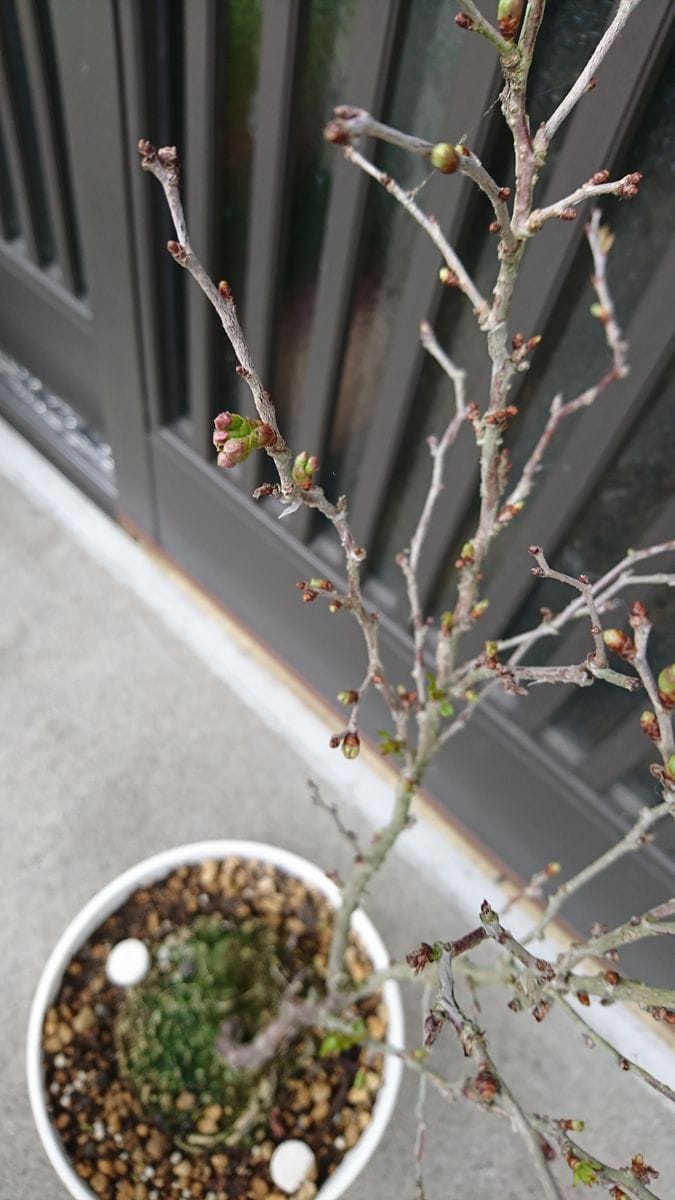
625, 187
593, 1038
632, 840
585, 79
429, 225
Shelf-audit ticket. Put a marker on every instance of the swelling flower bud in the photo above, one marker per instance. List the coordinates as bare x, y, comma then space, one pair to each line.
650, 725
509, 13
303, 470
619, 643
234, 451
444, 158
666, 686
351, 745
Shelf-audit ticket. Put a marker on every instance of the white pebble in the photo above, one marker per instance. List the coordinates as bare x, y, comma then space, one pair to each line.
98, 1131
60, 1060
290, 1164
127, 962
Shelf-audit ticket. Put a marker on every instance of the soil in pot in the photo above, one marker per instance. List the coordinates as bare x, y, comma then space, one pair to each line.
142, 1104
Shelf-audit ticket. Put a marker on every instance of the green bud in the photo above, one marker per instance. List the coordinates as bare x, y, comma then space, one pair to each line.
670, 768
666, 680
445, 158
351, 745
509, 13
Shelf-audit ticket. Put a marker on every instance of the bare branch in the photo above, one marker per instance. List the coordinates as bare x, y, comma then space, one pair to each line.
429, 225
633, 840
508, 51
584, 80
593, 1038
564, 210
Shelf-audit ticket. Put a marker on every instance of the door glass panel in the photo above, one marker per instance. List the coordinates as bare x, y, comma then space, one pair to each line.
322, 73
418, 105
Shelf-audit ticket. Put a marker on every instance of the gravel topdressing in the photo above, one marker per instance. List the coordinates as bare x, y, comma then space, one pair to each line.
124, 1153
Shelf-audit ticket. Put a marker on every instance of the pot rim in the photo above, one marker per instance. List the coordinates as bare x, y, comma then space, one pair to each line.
147, 872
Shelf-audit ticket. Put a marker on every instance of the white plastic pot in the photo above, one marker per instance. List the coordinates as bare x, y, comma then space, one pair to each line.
111, 898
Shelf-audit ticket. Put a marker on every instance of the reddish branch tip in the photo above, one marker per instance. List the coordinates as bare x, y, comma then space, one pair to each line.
147, 152
336, 132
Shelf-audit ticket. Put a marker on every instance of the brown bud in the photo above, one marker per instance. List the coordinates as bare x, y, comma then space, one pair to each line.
568, 214
612, 977
494, 227
351, 745
448, 278
147, 152
486, 1084
518, 341
599, 177
463, 20
501, 416
541, 1009
336, 132
335, 740
309, 595
504, 193
584, 999
225, 290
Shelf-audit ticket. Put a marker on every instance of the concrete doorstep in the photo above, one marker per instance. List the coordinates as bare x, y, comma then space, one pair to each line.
133, 717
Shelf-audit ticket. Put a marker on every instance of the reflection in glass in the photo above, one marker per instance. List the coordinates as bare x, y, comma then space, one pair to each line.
322, 72
418, 105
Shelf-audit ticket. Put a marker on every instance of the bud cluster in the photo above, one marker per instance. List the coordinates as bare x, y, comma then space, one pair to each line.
304, 467
350, 742
234, 437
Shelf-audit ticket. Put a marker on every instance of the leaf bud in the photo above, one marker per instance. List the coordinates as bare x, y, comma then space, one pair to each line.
650, 725
619, 643
447, 277
348, 696
447, 622
351, 745
670, 768
479, 609
666, 686
444, 158
463, 20
304, 468
509, 13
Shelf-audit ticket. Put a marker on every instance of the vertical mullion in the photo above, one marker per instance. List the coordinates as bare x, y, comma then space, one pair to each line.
17, 175
589, 145
46, 116
448, 200
281, 29
203, 45
371, 49
9, 227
